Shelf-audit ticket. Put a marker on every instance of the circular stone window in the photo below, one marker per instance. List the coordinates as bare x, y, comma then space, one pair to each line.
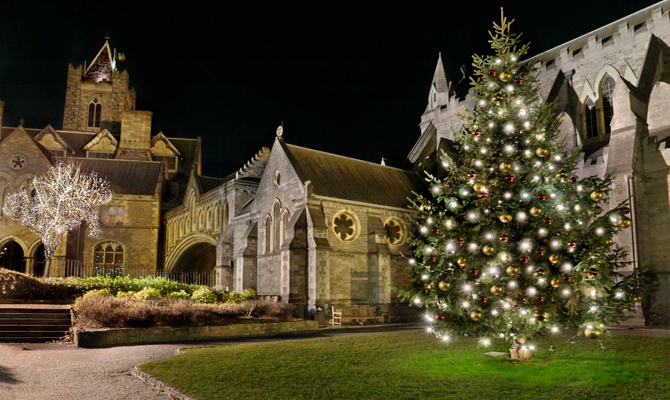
396, 233
17, 161
345, 226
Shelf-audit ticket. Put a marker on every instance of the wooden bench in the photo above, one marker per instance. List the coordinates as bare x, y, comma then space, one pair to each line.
359, 314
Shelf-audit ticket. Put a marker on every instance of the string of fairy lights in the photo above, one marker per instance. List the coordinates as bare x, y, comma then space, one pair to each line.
510, 242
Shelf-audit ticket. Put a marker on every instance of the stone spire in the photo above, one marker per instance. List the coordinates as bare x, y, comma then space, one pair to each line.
440, 87
103, 65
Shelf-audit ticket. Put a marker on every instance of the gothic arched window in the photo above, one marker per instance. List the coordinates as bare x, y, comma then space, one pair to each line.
606, 94
590, 119
283, 223
267, 228
276, 216
94, 113
108, 254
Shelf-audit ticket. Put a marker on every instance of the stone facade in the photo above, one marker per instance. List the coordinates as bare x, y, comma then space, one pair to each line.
632, 54
104, 134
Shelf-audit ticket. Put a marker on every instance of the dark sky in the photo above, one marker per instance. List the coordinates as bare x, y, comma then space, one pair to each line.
346, 77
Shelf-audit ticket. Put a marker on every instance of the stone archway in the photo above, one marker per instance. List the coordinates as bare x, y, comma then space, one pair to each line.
198, 257
12, 256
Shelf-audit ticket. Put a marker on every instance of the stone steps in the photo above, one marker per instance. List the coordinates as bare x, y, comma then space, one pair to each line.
33, 323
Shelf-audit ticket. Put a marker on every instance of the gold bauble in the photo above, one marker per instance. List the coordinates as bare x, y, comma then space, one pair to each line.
505, 76
462, 262
597, 195
624, 222
637, 299
539, 273
505, 166
512, 270
535, 211
555, 283
496, 99
496, 290
542, 152
430, 285
610, 241
554, 259
562, 176
476, 315
505, 218
593, 333
488, 250
478, 187
540, 315
444, 286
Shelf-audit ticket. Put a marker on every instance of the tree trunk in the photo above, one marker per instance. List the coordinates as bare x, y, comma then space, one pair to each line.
47, 263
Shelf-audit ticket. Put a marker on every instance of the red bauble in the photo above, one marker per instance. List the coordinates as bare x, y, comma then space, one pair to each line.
509, 178
484, 299
541, 252
519, 81
436, 231
461, 241
572, 179
474, 272
572, 243
540, 297
446, 185
483, 196
503, 239
568, 278
542, 197
493, 72
472, 175
433, 258
524, 259
548, 221
625, 210
592, 272
477, 133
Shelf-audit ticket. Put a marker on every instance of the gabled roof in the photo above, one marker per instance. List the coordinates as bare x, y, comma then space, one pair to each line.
440, 79
162, 138
124, 176
21, 131
50, 131
97, 138
347, 178
102, 66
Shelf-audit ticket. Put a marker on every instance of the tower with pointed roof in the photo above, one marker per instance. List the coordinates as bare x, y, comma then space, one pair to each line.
97, 94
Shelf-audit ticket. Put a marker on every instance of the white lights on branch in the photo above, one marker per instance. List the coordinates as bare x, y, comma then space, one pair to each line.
508, 128
423, 230
531, 291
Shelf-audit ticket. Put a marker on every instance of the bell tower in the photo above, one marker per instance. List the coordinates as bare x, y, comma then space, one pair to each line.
97, 94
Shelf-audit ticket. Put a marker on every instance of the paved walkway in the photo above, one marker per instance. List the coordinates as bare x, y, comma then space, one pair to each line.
64, 372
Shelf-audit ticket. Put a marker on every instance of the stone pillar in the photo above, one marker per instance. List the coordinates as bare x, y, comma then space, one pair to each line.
135, 143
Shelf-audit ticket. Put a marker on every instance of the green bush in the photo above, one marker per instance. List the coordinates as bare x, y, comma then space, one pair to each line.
234, 298
249, 294
89, 296
203, 295
149, 293
126, 294
180, 295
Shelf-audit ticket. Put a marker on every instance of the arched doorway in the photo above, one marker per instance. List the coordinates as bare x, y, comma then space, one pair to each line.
196, 264
39, 261
12, 257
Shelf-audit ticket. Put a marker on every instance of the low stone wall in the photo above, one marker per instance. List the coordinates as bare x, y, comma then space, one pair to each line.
166, 334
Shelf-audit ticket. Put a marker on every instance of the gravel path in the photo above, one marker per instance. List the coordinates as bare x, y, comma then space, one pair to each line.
64, 372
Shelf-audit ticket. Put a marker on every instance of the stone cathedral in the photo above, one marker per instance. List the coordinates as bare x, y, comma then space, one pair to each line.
318, 229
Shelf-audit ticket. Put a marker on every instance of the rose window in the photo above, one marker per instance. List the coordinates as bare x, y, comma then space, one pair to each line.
17, 161
345, 226
395, 231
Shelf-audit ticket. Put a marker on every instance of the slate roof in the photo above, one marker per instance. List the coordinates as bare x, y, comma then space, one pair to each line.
350, 179
125, 176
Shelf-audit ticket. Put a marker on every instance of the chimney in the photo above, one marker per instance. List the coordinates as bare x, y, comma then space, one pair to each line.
135, 143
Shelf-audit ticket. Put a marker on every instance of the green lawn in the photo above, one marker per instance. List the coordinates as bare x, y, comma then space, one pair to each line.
415, 365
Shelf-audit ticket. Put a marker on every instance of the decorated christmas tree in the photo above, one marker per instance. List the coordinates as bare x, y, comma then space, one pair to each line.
510, 243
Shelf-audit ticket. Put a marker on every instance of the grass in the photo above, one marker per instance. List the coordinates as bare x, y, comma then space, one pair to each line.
414, 365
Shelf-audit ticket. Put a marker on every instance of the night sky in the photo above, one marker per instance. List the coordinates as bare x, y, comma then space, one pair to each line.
345, 78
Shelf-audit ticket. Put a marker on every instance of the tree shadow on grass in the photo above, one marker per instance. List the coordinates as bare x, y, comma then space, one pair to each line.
6, 376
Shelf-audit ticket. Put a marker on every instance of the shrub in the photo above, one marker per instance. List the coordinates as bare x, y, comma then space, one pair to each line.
115, 312
126, 294
180, 295
149, 293
249, 294
203, 296
234, 298
89, 296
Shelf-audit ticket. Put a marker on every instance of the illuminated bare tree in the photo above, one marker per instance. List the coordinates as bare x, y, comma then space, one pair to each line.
59, 201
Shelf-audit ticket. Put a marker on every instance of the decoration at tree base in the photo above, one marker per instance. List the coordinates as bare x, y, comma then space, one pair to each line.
527, 247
